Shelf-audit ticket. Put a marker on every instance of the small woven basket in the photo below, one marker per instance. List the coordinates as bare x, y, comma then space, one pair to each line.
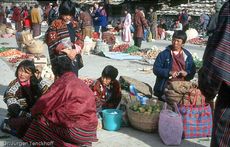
142, 121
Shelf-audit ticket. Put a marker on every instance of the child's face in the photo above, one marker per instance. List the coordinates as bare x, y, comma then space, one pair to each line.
106, 81
24, 74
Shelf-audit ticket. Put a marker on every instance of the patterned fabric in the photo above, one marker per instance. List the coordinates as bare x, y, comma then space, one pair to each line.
197, 121
216, 64
43, 130
16, 94
64, 114
221, 124
178, 64
57, 32
20, 99
107, 97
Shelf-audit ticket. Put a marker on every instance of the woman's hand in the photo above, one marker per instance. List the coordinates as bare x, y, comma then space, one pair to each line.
71, 53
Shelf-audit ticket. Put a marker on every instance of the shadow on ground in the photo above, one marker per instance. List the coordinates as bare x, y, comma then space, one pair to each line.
153, 139
2, 89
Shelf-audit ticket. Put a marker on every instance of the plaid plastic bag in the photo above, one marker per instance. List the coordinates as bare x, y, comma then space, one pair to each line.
197, 119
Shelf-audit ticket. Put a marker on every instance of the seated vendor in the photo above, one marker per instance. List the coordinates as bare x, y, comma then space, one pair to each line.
107, 89
66, 114
20, 96
175, 63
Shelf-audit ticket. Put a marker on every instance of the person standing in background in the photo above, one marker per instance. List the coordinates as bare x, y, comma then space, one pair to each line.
95, 16
184, 19
16, 17
103, 18
2, 14
126, 33
214, 77
152, 20
62, 37
86, 22
204, 20
140, 23
46, 12
36, 20
26, 19
53, 13
7, 11
214, 18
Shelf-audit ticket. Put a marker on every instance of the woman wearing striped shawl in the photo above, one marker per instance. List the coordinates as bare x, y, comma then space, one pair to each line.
62, 36
65, 116
214, 77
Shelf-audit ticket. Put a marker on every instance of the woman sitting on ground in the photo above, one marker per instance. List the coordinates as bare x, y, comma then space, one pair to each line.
66, 114
20, 96
107, 89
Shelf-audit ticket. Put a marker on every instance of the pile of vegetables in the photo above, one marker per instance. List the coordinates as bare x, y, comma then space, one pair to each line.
120, 48
132, 49
11, 52
149, 53
146, 109
197, 41
2, 49
18, 58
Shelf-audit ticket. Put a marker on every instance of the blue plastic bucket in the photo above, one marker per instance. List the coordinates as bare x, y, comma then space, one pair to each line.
112, 119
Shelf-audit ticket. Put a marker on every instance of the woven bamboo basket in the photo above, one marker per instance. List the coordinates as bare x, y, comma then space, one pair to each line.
35, 47
142, 121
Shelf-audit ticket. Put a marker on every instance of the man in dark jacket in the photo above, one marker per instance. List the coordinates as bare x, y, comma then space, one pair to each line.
173, 64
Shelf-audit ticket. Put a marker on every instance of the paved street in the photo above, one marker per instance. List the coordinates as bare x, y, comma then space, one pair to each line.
93, 66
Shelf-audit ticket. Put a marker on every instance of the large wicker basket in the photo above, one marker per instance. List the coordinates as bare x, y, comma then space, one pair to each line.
142, 121
35, 47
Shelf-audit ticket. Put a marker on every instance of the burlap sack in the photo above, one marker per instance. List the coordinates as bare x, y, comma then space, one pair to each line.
182, 92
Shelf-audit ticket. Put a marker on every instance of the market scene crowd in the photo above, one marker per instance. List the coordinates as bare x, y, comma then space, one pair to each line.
189, 98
